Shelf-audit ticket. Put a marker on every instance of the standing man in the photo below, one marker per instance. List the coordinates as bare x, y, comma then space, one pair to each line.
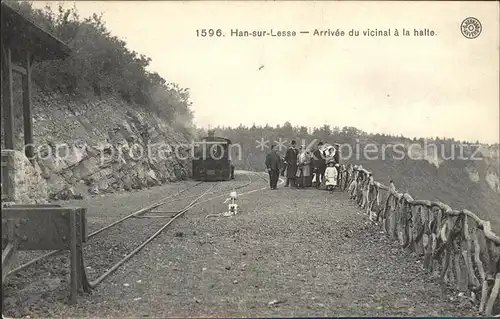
319, 164
273, 162
291, 163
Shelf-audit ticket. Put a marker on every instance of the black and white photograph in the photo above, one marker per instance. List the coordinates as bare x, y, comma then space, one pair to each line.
250, 159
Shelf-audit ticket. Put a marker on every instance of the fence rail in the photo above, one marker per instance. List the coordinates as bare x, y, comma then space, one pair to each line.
456, 245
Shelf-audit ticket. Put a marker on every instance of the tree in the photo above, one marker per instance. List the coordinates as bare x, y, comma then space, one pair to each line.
102, 64
303, 131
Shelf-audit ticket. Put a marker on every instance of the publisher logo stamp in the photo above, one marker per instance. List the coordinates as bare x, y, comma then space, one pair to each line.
471, 28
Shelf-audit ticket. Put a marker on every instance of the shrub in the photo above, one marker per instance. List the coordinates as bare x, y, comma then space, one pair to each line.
102, 64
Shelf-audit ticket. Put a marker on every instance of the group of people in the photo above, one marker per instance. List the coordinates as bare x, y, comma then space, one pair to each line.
303, 167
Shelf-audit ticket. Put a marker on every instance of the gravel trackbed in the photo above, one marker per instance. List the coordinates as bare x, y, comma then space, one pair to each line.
286, 253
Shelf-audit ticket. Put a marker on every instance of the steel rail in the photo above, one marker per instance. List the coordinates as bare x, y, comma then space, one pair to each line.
96, 282
218, 196
266, 180
196, 202
140, 211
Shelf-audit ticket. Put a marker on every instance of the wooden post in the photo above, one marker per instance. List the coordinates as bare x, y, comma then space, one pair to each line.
74, 258
493, 296
8, 98
2, 84
7, 174
27, 114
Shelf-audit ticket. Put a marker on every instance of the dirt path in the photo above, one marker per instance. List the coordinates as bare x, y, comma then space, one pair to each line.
306, 252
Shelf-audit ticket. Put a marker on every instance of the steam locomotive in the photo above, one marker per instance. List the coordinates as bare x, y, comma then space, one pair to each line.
212, 159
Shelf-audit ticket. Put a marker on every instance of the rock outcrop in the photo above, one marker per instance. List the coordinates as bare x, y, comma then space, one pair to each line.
103, 145
25, 182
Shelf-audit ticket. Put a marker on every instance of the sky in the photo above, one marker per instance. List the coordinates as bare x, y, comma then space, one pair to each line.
444, 85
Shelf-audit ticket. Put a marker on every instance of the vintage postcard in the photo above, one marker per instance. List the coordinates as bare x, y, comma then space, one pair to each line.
250, 158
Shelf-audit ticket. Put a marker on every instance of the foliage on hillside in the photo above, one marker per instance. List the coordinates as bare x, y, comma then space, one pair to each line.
102, 64
247, 139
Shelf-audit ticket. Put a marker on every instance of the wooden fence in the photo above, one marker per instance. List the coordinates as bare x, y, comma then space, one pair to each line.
457, 246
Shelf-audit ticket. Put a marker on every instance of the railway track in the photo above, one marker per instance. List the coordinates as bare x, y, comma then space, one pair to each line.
198, 200
94, 283
141, 211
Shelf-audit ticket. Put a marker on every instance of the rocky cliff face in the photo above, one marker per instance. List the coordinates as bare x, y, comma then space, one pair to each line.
102, 145
25, 183
481, 162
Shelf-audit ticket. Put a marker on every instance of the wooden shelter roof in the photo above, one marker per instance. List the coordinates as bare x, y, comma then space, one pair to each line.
19, 31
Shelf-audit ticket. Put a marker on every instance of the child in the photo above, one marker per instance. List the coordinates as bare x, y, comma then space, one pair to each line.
331, 176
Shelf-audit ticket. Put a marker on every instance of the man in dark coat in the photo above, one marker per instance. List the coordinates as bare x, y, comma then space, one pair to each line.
291, 164
283, 167
319, 163
273, 163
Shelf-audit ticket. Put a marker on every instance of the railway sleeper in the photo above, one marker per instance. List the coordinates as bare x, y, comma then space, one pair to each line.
165, 212
65, 228
145, 214
155, 216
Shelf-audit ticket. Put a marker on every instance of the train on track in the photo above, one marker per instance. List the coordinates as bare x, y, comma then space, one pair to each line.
212, 159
